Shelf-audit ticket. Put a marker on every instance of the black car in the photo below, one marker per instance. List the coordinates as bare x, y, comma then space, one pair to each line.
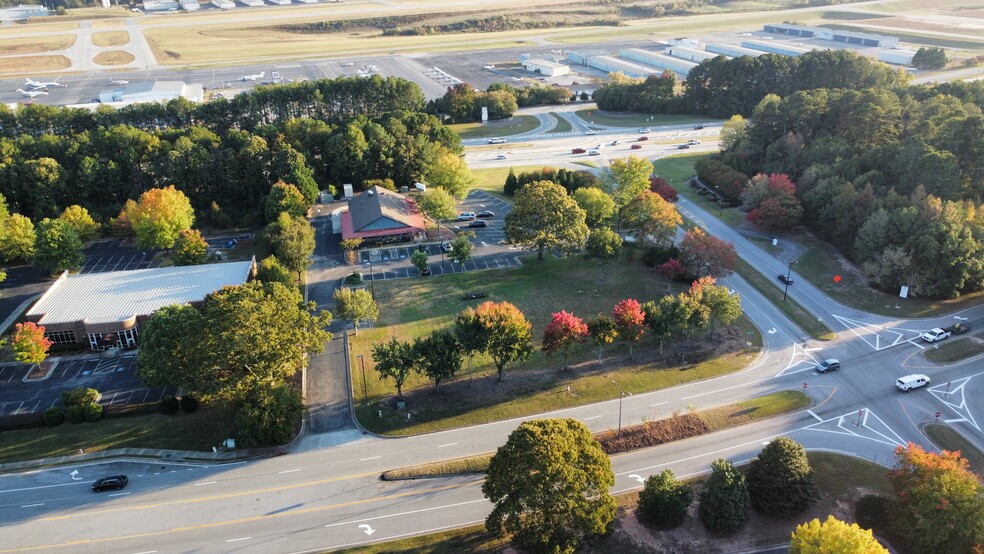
784, 279
112, 482
485, 214
478, 224
425, 272
698, 127
683, 146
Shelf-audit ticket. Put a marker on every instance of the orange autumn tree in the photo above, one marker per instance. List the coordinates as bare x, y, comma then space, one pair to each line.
939, 501
30, 344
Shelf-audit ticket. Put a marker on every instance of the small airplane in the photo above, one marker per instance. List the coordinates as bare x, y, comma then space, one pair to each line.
32, 93
253, 77
119, 82
31, 84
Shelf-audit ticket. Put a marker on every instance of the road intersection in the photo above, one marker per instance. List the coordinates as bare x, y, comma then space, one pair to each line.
320, 498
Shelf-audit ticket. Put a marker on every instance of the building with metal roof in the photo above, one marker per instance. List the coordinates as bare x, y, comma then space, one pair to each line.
153, 91
545, 67
22, 12
662, 61
848, 37
733, 51
107, 309
691, 54
379, 216
774, 47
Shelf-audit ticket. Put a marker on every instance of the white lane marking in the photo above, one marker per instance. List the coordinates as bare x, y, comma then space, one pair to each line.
448, 444
815, 415
422, 510
658, 404
42, 487
239, 539
393, 537
288, 471
592, 417
367, 459
33, 505
117, 494
147, 552
205, 483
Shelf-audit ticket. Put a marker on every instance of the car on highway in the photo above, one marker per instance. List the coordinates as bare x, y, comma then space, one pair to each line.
828, 365
478, 223
615, 142
785, 279
636, 147
485, 214
683, 146
641, 139
910, 382
645, 130
578, 150
594, 153
590, 132
936, 334
693, 142
698, 127
110, 482
445, 247
466, 216
497, 140
500, 157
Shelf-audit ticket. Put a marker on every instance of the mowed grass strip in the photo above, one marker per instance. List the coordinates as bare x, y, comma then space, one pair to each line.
955, 350
110, 38
35, 64
563, 126
492, 179
198, 431
790, 307
598, 117
949, 439
638, 436
516, 125
35, 45
411, 308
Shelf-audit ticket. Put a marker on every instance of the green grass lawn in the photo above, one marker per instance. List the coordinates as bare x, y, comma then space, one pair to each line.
955, 350
414, 308
518, 124
199, 431
948, 439
838, 475
615, 119
790, 307
563, 126
820, 263
492, 179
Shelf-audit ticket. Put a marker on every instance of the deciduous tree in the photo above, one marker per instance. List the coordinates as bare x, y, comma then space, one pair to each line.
438, 356
939, 501
625, 179
30, 345
597, 205
543, 217
469, 333
57, 247
704, 254
159, 216
357, 305
629, 321
724, 500
461, 250
780, 479
451, 173
833, 536
655, 219
436, 203
664, 318
269, 415
394, 360
507, 334
270, 270
17, 238
190, 248
419, 260
284, 197
549, 484
603, 245
603, 332
563, 332
671, 269
664, 499
721, 305
292, 241
80, 220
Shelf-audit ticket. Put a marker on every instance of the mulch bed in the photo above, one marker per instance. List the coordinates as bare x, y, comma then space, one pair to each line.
652, 433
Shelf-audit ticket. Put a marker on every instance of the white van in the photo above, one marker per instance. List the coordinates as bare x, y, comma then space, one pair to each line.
594, 153
913, 381
497, 140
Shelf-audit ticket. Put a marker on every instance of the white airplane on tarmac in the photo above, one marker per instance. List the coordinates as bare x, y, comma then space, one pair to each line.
253, 77
32, 93
31, 84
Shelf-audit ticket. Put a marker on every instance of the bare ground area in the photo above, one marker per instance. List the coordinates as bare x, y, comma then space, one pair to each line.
113, 57
36, 63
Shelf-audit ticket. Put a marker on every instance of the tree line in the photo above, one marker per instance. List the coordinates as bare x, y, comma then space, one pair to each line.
462, 103
893, 177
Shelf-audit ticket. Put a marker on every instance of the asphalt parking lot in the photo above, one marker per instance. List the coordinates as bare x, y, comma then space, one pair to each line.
111, 255
115, 377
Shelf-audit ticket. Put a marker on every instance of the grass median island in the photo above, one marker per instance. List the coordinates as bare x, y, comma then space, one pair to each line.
411, 308
955, 350
650, 433
198, 431
514, 126
620, 119
563, 126
110, 38
947, 438
790, 307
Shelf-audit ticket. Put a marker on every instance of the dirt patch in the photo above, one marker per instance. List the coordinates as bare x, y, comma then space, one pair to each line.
33, 63
662, 431
113, 57
110, 38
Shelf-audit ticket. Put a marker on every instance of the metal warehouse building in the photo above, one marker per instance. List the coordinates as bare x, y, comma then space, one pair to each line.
22, 12
897, 57
695, 55
733, 51
655, 59
610, 64
775, 47
107, 309
544, 67
153, 91
848, 37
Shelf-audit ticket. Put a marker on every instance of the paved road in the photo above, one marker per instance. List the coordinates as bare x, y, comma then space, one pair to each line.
326, 498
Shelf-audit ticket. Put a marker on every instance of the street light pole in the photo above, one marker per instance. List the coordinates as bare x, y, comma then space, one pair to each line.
365, 388
788, 273
621, 394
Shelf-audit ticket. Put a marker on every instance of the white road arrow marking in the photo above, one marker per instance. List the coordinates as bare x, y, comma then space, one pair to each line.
637, 478
75, 475
960, 318
772, 331
367, 529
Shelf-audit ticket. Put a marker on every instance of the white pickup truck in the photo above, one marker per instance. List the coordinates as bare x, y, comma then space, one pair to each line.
934, 335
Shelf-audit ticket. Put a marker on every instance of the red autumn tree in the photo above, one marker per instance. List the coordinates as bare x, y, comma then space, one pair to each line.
661, 187
771, 201
671, 269
563, 331
703, 255
30, 344
630, 321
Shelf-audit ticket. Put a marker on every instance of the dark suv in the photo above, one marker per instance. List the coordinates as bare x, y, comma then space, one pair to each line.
112, 482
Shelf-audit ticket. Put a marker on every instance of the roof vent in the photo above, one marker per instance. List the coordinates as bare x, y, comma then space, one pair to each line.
370, 192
